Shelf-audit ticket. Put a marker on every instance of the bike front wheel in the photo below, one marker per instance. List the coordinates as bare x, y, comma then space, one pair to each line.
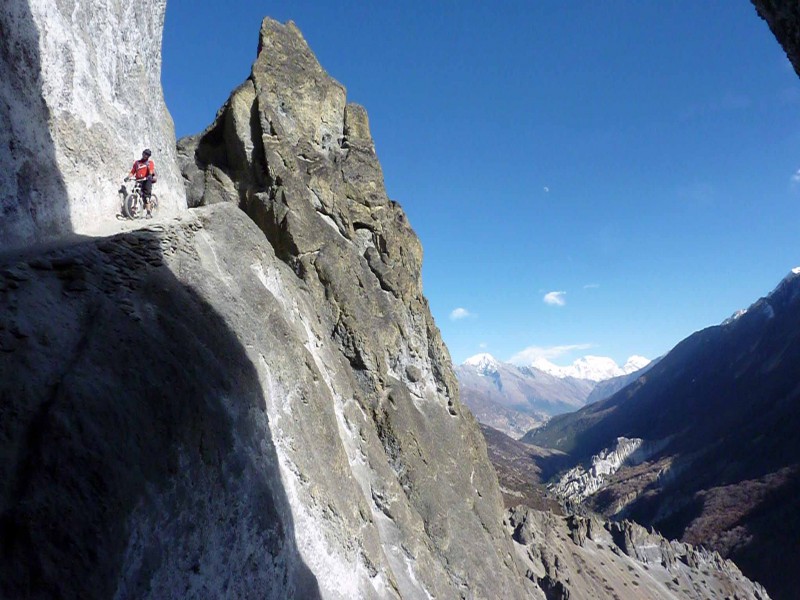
133, 206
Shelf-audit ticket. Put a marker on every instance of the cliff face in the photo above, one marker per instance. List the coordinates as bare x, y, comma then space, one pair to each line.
300, 161
137, 460
81, 97
194, 429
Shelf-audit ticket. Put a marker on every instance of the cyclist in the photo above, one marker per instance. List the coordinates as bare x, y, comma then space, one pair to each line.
144, 170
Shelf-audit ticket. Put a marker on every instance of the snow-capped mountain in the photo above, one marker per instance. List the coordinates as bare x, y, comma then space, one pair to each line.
484, 364
593, 368
515, 399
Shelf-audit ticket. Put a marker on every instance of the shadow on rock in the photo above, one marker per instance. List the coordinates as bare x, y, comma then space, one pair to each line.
33, 195
135, 455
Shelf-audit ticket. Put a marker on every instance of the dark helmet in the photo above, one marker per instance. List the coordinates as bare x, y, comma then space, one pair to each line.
146, 152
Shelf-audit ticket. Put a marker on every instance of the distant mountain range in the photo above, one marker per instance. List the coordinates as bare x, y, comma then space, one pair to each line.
714, 432
593, 368
515, 399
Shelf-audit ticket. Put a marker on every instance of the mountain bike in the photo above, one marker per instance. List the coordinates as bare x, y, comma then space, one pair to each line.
133, 205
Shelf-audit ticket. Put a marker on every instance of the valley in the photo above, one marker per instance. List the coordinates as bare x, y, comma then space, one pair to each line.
703, 446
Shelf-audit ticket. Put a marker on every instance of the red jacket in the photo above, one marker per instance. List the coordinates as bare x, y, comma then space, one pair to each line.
141, 169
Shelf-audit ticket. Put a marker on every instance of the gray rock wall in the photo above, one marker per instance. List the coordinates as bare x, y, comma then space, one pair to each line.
299, 160
80, 97
227, 408
136, 453
192, 429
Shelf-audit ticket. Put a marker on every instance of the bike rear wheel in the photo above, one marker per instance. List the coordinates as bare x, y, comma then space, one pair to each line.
133, 207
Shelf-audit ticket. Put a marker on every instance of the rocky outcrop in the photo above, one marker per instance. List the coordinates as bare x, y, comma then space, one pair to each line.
79, 100
579, 482
583, 557
299, 160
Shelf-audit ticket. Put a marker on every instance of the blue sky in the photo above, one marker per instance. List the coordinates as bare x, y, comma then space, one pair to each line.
631, 162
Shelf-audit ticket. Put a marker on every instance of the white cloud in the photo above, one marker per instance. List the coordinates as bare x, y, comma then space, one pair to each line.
546, 189
796, 177
591, 286
483, 345
555, 298
460, 313
531, 353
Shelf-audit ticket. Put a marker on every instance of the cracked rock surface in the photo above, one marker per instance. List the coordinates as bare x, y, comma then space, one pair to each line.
299, 160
